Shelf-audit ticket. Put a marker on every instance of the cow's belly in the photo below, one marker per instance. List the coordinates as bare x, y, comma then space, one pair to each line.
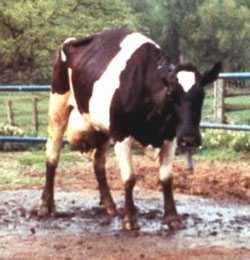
82, 133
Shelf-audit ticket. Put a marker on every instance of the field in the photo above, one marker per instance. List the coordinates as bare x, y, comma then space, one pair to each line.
213, 202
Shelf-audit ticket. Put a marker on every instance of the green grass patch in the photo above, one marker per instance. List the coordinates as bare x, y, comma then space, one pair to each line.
218, 154
237, 117
36, 159
13, 179
22, 108
27, 168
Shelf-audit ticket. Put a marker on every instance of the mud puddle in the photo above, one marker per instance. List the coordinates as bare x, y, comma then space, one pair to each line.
206, 222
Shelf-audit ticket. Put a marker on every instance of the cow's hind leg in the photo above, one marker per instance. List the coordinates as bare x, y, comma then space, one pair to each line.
106, 199
58, 118
167, 154
123, 154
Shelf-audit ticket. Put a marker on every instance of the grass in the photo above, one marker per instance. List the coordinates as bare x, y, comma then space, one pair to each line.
220, 155
22, 107
238, 117
26, 169
36, 159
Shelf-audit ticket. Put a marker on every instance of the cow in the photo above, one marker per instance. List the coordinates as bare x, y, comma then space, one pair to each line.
118, 86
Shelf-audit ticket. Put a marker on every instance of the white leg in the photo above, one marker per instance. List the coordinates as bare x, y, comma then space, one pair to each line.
124, 158
58, 118
166, 158
167, 154
123, 154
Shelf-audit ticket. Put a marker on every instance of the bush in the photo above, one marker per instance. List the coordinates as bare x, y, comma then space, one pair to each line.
10, 130
235, 140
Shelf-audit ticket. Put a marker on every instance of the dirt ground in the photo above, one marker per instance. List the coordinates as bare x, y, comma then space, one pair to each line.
220, 180
226, 180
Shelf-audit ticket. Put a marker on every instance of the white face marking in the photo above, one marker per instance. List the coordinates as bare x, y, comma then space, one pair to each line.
167, 154
104, 88
186, 79
63, 55
124, 158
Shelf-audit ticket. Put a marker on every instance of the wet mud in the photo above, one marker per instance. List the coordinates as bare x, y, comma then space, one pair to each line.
205, 221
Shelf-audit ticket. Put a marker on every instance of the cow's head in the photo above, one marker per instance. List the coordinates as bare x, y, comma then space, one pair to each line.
187, 92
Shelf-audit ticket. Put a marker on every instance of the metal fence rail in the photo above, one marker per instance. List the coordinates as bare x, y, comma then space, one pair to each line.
235, 75
203, 125
207, 125
24, 88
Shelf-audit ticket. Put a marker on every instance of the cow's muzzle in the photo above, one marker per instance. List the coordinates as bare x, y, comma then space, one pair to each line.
188, 143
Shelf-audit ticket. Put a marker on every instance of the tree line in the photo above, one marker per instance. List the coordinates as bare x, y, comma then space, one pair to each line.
188, 30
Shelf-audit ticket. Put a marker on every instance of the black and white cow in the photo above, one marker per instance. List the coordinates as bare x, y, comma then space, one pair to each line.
118, 85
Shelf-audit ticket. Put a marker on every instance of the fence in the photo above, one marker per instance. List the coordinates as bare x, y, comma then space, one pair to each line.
221, 93
219, 104
13, 115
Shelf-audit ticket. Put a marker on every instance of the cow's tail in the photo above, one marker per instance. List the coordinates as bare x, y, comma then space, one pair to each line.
73, 42
65, 48
60, 77
61, 71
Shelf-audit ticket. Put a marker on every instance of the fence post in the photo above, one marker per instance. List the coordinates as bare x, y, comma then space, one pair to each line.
10, 113
35, 114
219, 93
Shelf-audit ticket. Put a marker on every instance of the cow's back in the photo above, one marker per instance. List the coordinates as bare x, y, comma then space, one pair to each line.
88, 61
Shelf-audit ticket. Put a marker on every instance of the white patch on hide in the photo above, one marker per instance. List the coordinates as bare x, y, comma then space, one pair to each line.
186, 79
104, 88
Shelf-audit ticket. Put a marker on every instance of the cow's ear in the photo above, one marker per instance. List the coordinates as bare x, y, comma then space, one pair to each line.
211, 75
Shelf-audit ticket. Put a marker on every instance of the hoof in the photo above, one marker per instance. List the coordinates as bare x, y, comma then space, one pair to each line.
109, 206
129, 224
174, 222
112, 211
46, 210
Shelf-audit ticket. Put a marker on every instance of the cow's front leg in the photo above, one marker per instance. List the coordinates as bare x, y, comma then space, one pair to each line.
58, 118
99, 168
167, 154
123, 155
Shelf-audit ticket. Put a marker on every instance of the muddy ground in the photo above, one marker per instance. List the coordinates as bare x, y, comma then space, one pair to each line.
215, 210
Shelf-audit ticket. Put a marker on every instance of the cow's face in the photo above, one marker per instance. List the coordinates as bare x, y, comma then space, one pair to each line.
188, 91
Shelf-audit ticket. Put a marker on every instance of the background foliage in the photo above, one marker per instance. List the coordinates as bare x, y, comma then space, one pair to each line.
191, 30
30, 31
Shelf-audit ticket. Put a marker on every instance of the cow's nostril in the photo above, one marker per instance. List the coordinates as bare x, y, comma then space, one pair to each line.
187, 141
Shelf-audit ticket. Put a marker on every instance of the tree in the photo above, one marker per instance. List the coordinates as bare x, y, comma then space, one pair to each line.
200, 31
220, 31
31, 30
164, 20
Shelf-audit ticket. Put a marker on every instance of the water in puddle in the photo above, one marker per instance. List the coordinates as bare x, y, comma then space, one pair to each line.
206, 222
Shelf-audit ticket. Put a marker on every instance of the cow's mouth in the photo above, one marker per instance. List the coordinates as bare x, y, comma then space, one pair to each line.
187, 149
